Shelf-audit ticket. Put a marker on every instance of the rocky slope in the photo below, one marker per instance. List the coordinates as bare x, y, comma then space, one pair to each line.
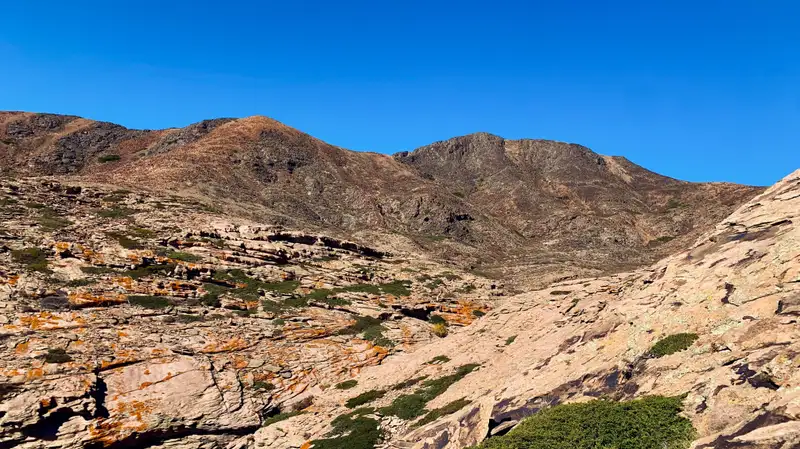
529, 211
131, 320
727, 307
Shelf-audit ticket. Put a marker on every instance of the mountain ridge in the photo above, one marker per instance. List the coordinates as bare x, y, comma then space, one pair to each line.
478, 200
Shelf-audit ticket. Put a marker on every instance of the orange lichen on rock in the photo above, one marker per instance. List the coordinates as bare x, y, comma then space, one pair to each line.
126, 419
41, 321
234, 344
11, 280
125, 282
22, 348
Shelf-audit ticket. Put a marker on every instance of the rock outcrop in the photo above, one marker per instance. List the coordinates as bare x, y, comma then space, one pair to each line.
123, 326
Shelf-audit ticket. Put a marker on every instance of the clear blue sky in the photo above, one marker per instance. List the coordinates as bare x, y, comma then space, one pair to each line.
703, 90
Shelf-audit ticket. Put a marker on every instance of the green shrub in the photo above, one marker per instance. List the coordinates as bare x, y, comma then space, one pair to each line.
362, 288
51, 220
261, 385
57, 355
478, 313
407, 406
432, 285
186, 318
250, 290
33, 258
125, 240
142, 232
436, 319
648, 423
149, 302
183, 256
469, 288
440, 330
97, 270
346, 385
108, 158
397, 288
280, 417
115, 212
510, 339
409, 383
352, 431
672, 344
149, 270
448, 409
371, 328
439, 359
410, 406
80, 282
364, 398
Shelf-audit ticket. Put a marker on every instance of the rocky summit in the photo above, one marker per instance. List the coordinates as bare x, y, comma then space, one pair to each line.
239, 284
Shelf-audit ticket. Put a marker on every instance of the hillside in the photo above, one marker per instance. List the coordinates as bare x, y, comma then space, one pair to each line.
714, 328
526, 211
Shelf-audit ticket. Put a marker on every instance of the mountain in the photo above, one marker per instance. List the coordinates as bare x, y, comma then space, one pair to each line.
135, 319
528, 211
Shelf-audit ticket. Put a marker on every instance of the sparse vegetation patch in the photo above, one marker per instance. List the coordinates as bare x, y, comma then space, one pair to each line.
149, 302
672, 344
346, 385
648, 423
33, 258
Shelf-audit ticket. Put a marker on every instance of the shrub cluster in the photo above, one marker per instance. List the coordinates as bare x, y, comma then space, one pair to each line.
648, 423
672, 344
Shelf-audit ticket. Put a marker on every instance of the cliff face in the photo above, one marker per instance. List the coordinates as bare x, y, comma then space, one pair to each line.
529, 211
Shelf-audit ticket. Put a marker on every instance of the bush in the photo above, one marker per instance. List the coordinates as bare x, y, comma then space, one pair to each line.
186, 318
436, 319
116, 212
97, 270
261, 385
149, 270
439, 359
346, 385
397, 288
440, 330
57, 355
510, 339
250, 290
50, 220
478, 313
672, 344
448, 409
649, 423
33, 258
410, 406
108, 158
408, 383
352, 431
125, 241
80, 282
280, 417
149, 302
364, 398
183, 256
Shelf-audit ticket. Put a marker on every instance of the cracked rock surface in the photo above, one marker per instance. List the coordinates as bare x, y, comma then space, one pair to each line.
122, 327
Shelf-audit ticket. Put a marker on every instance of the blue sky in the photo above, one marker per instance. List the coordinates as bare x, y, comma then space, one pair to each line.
699, 90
